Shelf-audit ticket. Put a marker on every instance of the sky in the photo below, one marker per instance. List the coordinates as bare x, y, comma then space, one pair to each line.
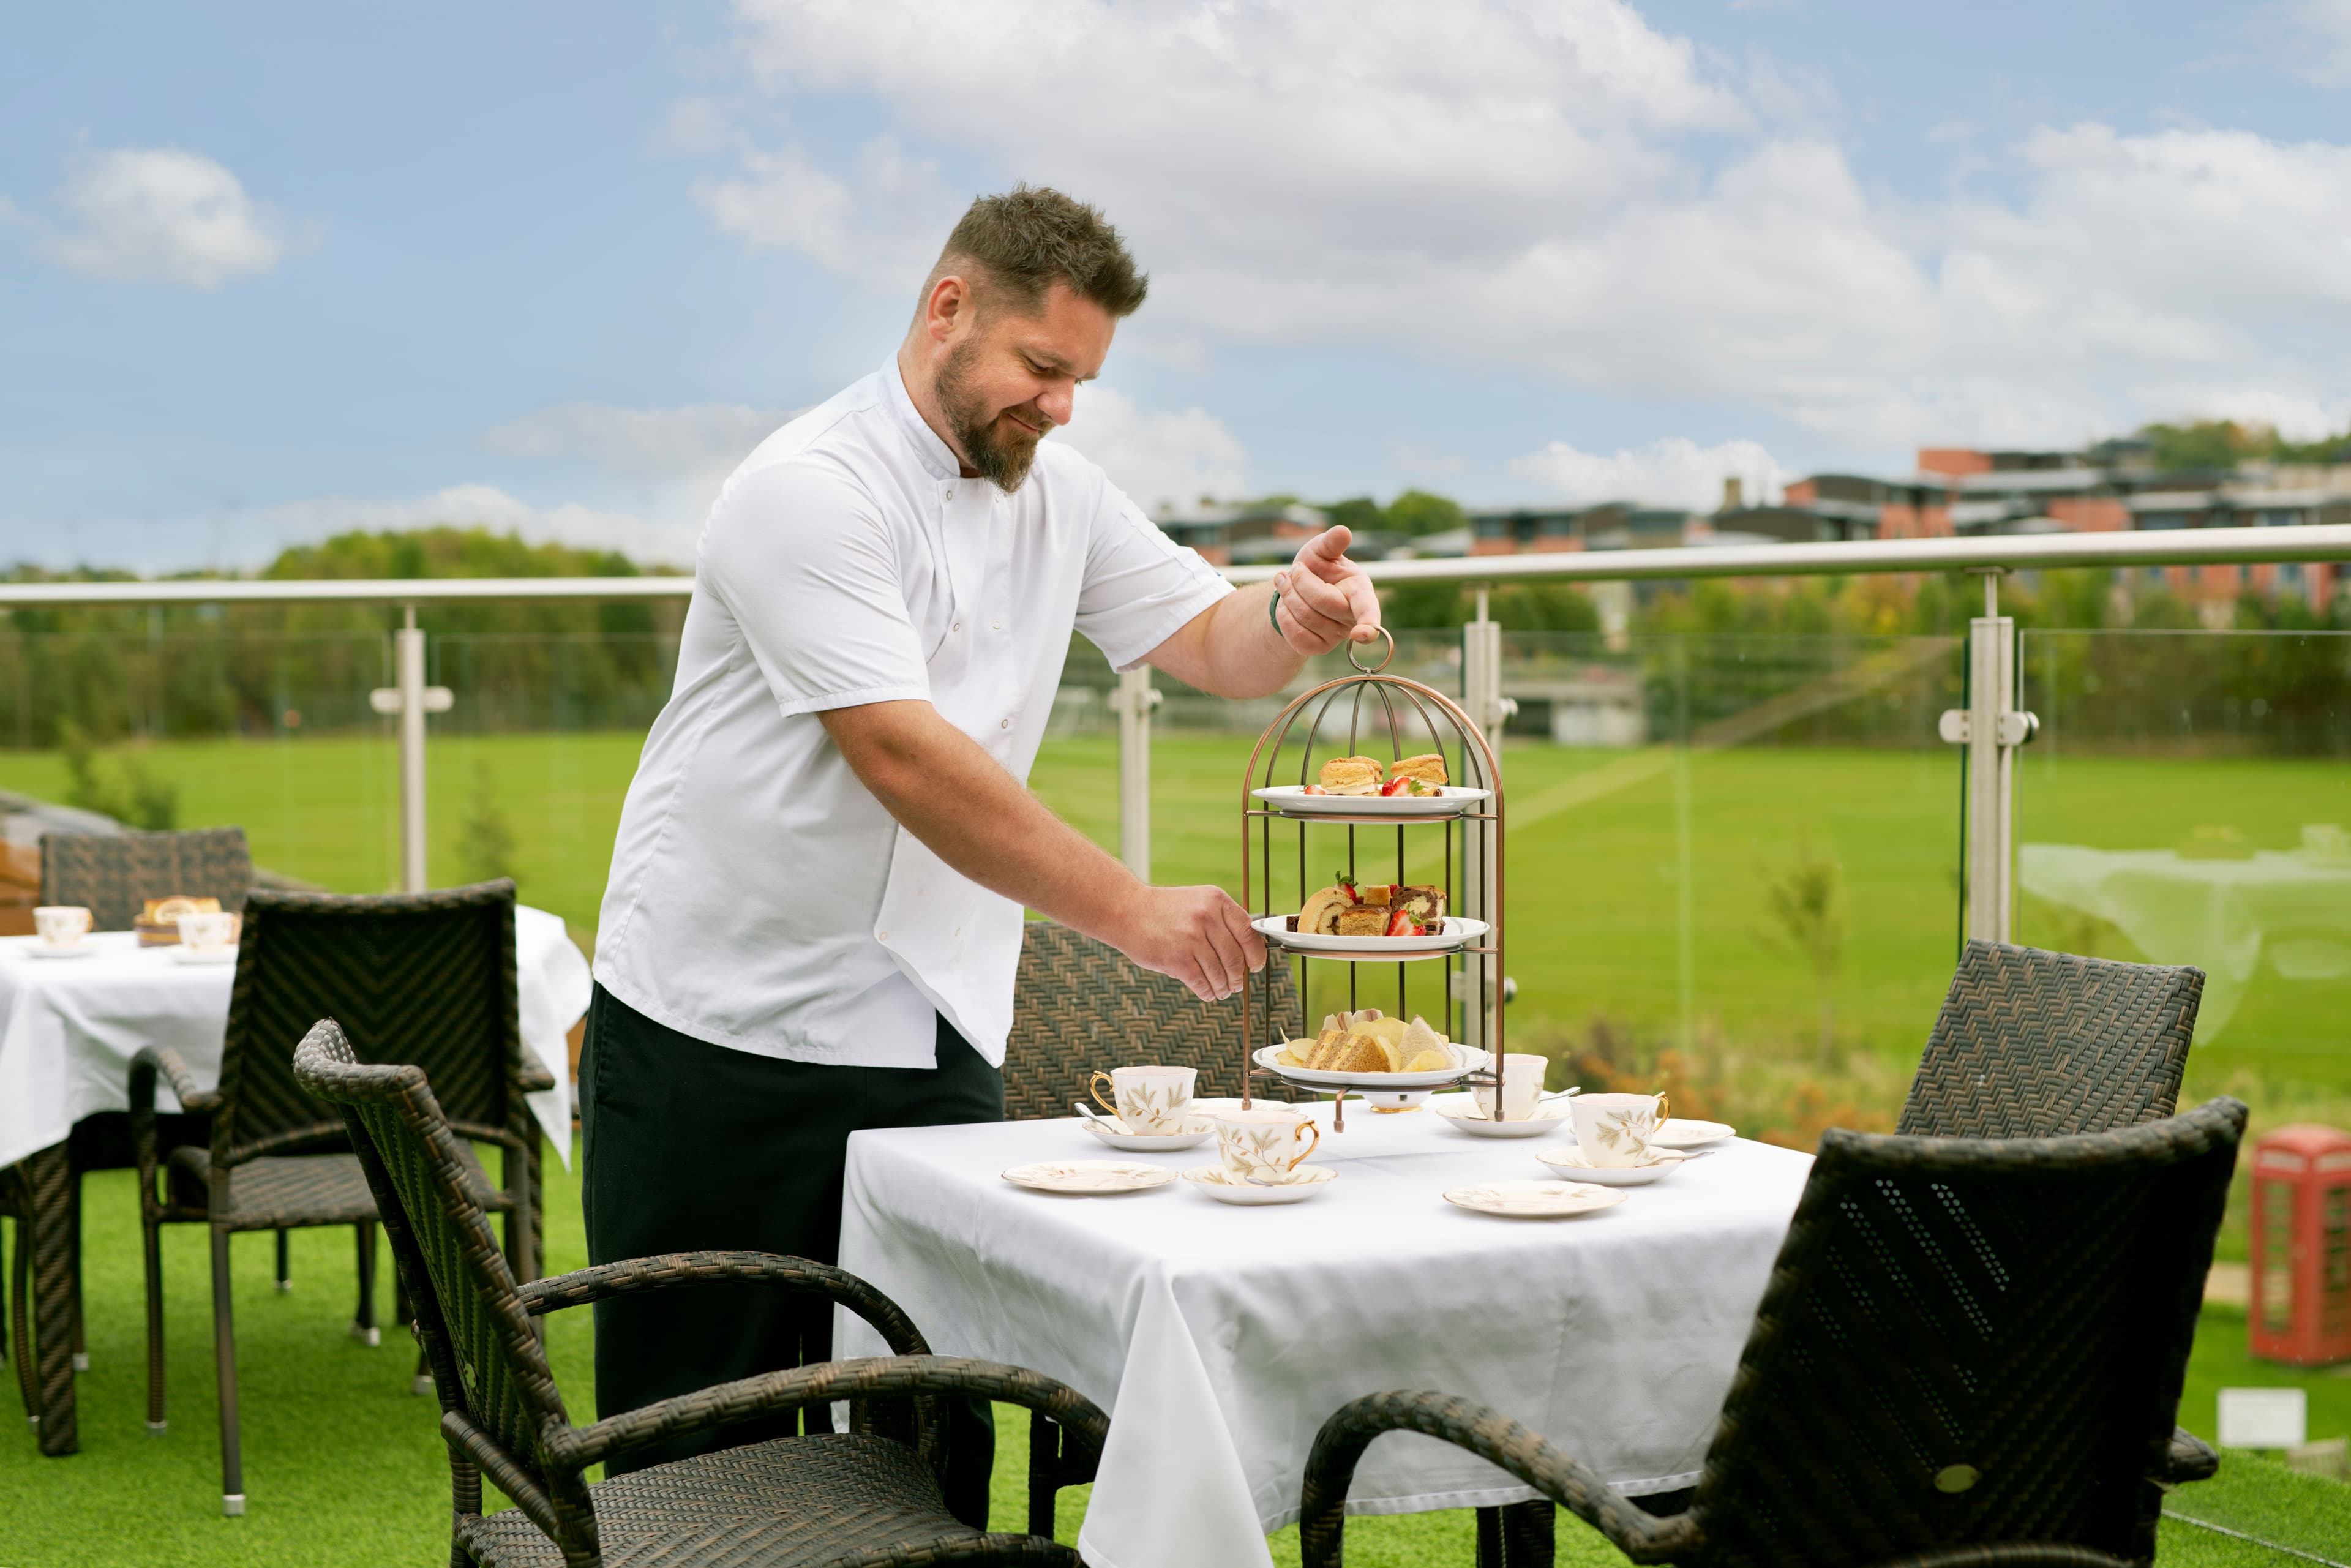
272, 271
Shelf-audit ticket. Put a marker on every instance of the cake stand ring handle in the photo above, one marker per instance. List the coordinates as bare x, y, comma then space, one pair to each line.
1363, 668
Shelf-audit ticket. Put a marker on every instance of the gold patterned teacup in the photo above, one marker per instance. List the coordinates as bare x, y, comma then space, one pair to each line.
1616, 1129
1264, 1143
1147, 1099
61, 925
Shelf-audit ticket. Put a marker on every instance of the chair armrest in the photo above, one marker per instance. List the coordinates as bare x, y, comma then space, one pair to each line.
2188, 1458
154, 1061
532, 1076
1492, 1437
664, 1270
775, 1393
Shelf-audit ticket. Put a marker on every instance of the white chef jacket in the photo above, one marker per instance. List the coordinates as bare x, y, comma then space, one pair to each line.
760, 897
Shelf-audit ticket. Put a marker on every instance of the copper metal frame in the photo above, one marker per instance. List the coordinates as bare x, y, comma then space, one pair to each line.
1477, 754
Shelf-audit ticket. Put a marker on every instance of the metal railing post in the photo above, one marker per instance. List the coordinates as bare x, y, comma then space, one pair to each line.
1134, 700
1991, 727
1482, 700
409, 699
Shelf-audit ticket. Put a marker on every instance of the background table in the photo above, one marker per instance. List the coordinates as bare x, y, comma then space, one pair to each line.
70, 1027
1219, 1338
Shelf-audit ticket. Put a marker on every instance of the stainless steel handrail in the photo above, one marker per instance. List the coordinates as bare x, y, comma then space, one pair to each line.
2019, 552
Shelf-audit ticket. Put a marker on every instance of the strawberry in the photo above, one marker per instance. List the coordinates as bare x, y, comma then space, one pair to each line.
1394, 786
1347, 885
1314, 789
1403, 924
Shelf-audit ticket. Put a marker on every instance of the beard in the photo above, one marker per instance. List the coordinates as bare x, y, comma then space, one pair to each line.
1003, 457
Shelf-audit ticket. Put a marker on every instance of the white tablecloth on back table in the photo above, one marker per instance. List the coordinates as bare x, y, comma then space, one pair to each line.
70, 1027
1220, 1338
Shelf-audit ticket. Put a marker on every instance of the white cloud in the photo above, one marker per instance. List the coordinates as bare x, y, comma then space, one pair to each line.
160, 214
486, 506
691, 442
2309, 38
1157, 457
1675, 472
1567, 189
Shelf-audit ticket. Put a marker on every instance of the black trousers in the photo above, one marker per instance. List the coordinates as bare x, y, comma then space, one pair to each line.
689, 1146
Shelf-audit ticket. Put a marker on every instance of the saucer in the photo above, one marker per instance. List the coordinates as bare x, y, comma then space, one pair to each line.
1679, 1133
1468, 1116
1089, 1178
1534, 1199
1570, 1159
82, 949
1303, 1182
1118, 1137
186, 955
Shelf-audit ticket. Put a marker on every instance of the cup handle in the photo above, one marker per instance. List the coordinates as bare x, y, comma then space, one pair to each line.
1094, 1087
1314, 1132
1661, 1110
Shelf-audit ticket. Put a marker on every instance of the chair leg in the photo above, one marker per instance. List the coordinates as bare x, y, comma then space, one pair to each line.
363, 1327
80, 1340
152, 1252
19, 1268
1518, 1535
225, 1369
285, 1274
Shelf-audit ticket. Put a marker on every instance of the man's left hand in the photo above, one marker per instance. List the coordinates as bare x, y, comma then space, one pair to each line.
1326, 599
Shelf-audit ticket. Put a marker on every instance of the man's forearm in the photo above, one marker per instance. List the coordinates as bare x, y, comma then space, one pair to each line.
1234, 651
943, 788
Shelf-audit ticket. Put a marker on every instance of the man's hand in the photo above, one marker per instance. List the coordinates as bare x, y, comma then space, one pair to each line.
1326, 599
1198, 934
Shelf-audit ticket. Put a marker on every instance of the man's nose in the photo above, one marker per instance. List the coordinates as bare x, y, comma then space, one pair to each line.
1057, 405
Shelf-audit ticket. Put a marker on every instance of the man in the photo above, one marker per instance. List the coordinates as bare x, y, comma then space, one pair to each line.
815, 905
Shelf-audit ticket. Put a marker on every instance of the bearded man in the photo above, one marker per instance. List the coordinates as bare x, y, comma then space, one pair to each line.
814, 918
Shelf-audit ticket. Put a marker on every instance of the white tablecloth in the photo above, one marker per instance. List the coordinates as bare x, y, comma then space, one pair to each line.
2221, 915
1220, 1338
70, 1027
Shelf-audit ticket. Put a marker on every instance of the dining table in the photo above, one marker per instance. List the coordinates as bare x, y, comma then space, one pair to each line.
68, 1028
1221, 1337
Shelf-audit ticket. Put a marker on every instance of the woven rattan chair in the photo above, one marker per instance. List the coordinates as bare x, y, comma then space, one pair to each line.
1970, 1355
2032, 1044
427, 979
872, 1496
18, 1347
1080, 1004
114, 874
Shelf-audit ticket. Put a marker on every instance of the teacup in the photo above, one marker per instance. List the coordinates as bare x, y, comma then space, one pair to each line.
1616, 1129
1264, 1143
61, 925
212, 932
1147, 1098
1522, 1082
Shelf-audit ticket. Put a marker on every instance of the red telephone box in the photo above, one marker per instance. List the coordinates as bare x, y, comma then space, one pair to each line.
2301, 1298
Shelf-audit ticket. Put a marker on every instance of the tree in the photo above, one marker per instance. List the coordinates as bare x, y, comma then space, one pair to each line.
1806, 901
1419, 512
486, 844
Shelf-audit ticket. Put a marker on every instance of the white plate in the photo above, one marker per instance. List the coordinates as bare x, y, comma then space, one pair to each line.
1679, 1133
1292, 801
79, 950
1569, 1160
1146, 1143
185, 955
1534, 1199
1469, 1058
1089, 1178
1458, 931
1304, 1183
1465, 1117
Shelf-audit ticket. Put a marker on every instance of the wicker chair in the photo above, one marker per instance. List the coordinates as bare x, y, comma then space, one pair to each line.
872, 1496
18, 1348
2032, 1044
1970, 1355
1080, 1004
115, 874
427, 979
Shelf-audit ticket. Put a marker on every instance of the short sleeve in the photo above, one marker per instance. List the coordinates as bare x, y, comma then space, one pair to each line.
1141, 587
803, 561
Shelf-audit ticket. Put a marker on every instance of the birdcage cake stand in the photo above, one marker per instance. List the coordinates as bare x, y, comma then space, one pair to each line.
1452, 840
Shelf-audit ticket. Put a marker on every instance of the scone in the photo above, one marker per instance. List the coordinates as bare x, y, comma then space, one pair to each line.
1428, 768
1352, 776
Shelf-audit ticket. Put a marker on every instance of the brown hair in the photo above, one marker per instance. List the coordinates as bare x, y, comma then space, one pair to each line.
1031, 238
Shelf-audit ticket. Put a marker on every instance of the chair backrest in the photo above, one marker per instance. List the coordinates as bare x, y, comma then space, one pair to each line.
2036, 1045
1080, 1004
1969, 1341
114, 874
426, 978
486, 1361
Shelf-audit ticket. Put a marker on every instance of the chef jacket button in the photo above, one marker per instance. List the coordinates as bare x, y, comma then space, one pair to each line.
958, 626
997, 623
1005, 724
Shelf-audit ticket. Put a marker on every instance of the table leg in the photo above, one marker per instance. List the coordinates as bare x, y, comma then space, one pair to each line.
49, 1182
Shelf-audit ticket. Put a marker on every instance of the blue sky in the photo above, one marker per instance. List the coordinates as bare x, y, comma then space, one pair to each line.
267, 271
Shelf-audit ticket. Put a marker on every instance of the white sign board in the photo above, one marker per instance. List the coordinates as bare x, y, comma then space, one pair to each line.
2264, 1417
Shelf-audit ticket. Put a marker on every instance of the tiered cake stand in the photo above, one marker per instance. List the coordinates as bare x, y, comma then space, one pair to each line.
1451, 978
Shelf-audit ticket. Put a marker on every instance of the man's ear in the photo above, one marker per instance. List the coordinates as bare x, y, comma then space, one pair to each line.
950, 307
